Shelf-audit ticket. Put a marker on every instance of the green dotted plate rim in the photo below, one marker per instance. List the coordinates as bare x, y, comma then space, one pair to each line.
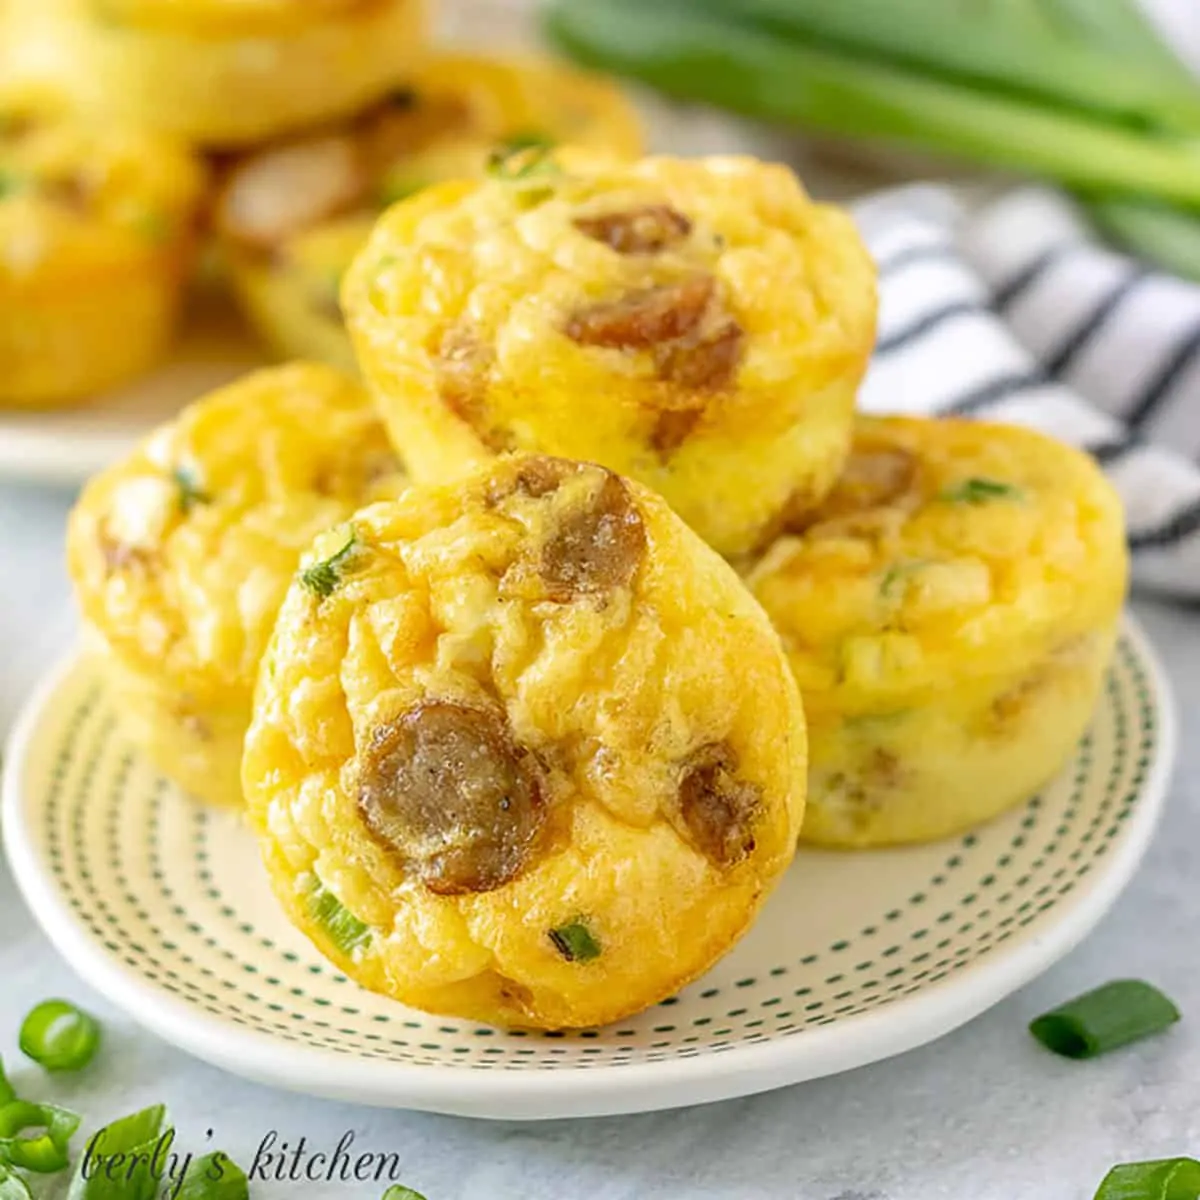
556, 1089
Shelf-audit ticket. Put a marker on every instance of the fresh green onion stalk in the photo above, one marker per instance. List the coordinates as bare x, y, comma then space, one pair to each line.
974, 44
697, 55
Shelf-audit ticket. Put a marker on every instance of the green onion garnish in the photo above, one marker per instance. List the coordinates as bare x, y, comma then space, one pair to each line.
399, 1192
12, 1186
575, 941
214, 1177
1111, 1016
896, 576
978, 491
136, 1136
346, 931
398, 188
190, 491
322, 577
524, 163
8, 1093
59, 1036
528, 139
11, 183
1164, 1179
35, 1136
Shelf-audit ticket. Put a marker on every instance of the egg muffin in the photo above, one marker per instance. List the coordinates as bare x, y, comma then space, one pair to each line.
96, 230
182, 554
524, 749
948, 612
699, 325
292, 216
223, 72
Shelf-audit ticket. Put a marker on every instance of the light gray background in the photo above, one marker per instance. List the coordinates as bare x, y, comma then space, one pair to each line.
981, 1115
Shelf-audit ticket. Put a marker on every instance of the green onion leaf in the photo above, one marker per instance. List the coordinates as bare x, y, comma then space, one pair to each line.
978, 491
1111, 1016
214, 1177
399, 1192
1165, 1179
12, 1186
35, 1136
575, 941
190, 491
323, 577
135, 1138
8, 1093
345, 930
59, 1036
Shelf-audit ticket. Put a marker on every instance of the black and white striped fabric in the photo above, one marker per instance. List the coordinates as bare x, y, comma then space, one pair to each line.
1014, 312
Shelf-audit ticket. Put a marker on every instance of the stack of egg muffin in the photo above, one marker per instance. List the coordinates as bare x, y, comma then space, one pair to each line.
531, 655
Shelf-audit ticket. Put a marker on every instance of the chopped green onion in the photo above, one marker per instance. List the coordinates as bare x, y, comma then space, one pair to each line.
324, 576
1165, 1179
978, 491
35, 1136
399, 187
524, 164
12, 1186
1111, 1016
190, 491
575, 941
8, 1093
135, 1138
345, 930
897, 575
526, 140
399, 1192
214, 1177
59, 1036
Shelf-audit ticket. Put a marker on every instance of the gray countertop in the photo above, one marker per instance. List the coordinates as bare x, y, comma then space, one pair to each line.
982, 1114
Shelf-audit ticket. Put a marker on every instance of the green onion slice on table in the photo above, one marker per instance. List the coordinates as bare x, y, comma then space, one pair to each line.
35, 1136
59, 1036
137, 1134
7, 1092
1109, 1017
1165, 1179
12, 1186
399, 1192
214, 1177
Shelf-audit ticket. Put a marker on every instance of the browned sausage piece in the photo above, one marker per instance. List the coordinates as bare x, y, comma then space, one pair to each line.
706, 363
288, 189
596, 547
461, 363
447, 788
871, 480
718, 810
637, 230
645, 318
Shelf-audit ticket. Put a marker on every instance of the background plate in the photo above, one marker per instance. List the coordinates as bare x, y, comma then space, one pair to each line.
162, 906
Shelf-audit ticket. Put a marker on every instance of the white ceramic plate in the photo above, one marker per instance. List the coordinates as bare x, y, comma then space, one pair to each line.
162, 906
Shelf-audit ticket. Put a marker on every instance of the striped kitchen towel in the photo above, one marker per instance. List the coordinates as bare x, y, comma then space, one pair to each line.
1014, 312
